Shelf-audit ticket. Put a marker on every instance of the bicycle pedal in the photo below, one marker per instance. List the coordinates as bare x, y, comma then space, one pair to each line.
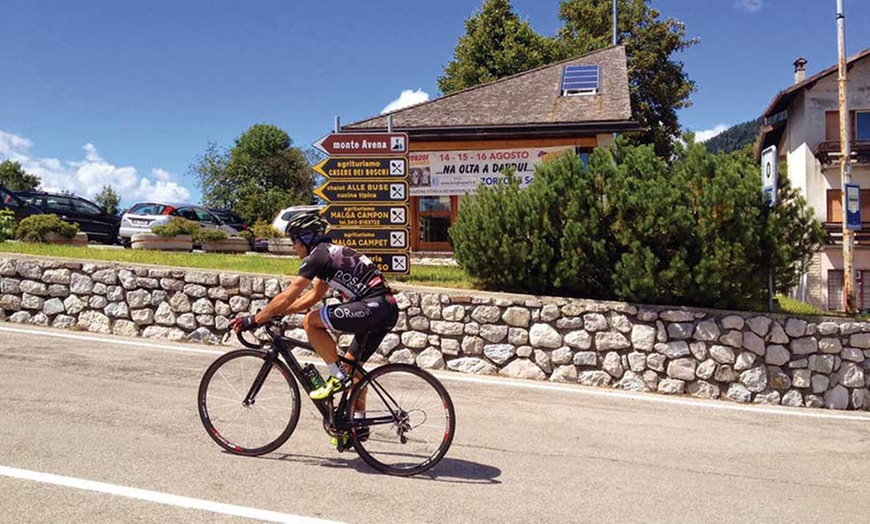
340, 443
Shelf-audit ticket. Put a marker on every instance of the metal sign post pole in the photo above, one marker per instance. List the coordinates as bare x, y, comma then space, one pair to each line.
845, 167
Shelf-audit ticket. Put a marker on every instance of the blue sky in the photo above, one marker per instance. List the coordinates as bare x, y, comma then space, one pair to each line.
128, 93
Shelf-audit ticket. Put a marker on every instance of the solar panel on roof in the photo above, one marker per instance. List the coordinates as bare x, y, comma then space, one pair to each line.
580, 79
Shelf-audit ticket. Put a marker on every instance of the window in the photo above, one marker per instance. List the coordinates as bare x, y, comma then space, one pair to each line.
835, 205
205, 216
186, 212
149, 208
86, 208
8, 200
434, 218
859, 121
835, 289
862, 125
58, 204
580, 80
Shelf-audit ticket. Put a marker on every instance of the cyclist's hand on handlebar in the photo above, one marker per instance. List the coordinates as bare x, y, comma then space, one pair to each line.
243, 323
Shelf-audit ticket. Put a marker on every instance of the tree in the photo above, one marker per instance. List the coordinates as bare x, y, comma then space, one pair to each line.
496, 44
736, 137
659, 86
261, 174
108, 199
14, 178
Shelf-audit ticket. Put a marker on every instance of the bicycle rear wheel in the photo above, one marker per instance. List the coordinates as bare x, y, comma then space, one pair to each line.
411, 417
260, 426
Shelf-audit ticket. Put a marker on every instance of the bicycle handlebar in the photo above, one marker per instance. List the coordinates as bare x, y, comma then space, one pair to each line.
275, 323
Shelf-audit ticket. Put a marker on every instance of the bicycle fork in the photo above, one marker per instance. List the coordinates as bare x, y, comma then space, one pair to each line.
250, 398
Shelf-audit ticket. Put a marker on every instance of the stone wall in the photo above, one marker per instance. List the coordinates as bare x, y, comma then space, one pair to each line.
744, 357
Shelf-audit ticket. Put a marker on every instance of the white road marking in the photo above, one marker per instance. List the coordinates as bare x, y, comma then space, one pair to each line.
514, 383
160, 498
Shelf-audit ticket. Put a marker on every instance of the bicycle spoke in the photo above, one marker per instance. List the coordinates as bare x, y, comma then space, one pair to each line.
421, 428
266, 422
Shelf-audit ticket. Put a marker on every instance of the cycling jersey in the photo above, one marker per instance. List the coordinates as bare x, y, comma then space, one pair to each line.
344, 269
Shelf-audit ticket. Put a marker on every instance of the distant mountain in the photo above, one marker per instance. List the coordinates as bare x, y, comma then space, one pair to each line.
735, 137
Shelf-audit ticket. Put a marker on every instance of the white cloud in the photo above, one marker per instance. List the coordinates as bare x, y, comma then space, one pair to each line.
87, 177
703, 136
750, 6
10, 143
408, 97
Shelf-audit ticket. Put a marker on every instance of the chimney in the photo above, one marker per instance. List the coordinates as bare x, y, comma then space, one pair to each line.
800, 70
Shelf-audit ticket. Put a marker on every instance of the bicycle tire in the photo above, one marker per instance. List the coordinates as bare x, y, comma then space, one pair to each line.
412, 447
248, 430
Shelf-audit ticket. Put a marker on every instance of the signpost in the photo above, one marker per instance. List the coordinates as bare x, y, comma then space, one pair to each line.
363, 191
363, 167
377, 144
768, 174
367, 195
366, 215
853, 207
768, 183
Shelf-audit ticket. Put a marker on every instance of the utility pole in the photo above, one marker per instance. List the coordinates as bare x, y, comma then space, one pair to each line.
845, 167
615, 38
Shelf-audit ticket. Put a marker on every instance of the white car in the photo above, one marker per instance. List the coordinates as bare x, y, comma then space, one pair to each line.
284, 216
143, 216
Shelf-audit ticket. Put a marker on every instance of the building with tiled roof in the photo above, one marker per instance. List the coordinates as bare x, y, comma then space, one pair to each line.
466, 138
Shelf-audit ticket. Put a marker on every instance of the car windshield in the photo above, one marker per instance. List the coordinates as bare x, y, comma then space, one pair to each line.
149, 208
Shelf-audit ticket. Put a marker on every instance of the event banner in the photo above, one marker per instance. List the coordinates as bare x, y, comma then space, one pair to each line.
459, 172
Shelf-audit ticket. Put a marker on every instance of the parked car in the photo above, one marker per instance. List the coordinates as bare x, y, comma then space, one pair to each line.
229, 218
284, 216
100, 226
144, 215
9, 200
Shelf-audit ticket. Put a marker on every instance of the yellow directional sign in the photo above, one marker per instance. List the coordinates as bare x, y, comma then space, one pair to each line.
361, 167
367, 240
398, 262
363, 191
366, 215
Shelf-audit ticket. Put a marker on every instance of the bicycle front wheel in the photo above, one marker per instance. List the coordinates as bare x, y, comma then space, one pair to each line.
255, 427
410, 419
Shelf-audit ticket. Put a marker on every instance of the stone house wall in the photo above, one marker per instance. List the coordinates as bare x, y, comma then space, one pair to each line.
739, 356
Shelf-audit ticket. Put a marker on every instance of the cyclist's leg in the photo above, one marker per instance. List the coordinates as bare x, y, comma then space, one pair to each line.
363, 347
319, 337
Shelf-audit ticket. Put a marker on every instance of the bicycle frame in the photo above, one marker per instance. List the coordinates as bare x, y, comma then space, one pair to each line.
335, 420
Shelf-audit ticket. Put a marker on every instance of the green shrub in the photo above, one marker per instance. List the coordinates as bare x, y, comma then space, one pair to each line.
263, 229
176, 226
632, 227
549, 238
490, 238
7, 224
35, 227
209, 235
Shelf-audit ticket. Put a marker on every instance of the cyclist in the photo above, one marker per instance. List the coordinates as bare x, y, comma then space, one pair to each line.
369, 309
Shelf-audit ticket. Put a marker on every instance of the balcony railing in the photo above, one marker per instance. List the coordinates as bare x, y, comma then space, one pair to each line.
829, 151
835, 234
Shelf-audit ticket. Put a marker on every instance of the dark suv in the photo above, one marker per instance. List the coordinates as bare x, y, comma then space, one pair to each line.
91, 219
10, 200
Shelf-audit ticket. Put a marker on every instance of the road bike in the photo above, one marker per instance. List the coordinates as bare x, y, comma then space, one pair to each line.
249, 403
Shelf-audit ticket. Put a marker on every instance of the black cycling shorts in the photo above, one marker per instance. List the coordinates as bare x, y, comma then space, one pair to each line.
369, 318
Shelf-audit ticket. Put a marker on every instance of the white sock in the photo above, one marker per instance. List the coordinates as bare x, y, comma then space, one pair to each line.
359, 414
336, 371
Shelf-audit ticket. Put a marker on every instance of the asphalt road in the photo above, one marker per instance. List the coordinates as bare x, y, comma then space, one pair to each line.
105, 429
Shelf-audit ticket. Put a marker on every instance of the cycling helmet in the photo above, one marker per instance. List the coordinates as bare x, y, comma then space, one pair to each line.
307, 227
